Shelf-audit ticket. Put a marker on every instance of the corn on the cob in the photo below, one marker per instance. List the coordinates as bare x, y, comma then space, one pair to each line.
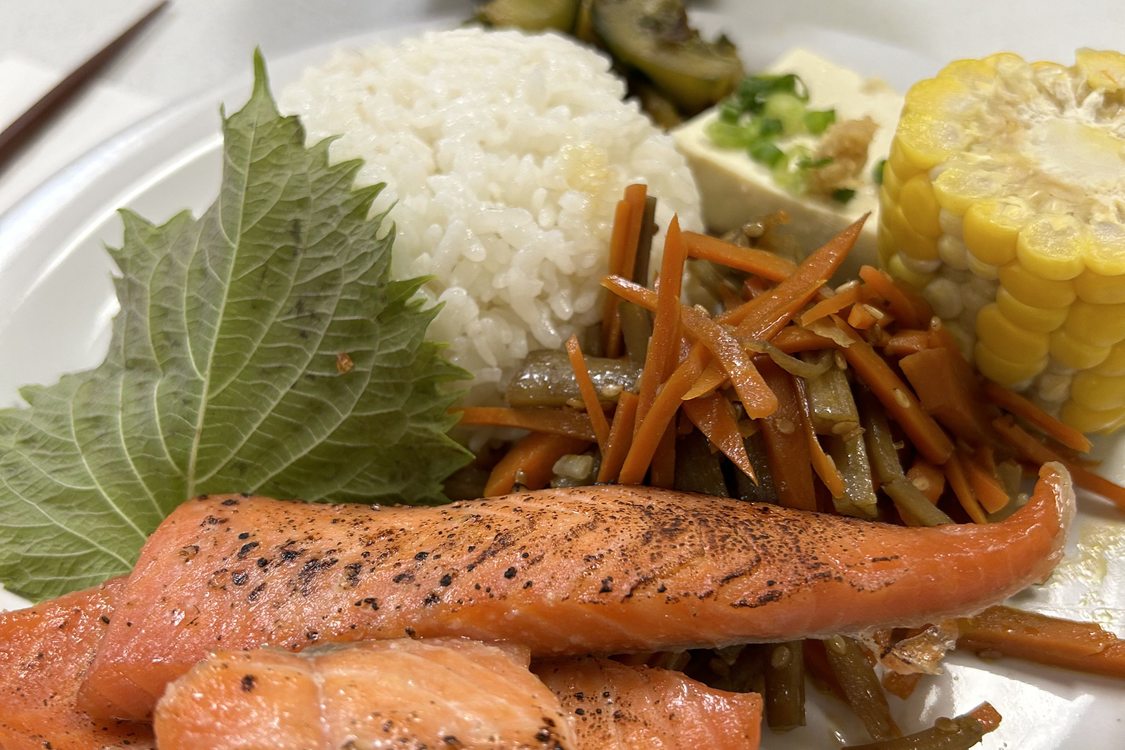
1003, 200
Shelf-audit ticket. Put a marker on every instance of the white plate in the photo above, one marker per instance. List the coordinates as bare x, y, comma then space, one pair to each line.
56, 301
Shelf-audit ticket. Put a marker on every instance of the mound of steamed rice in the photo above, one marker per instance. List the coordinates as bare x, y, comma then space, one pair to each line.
504, 155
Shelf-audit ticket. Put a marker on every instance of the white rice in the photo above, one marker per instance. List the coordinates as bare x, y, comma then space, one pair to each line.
504, 156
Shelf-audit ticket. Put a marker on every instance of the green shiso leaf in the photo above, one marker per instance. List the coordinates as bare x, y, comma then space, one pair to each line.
260, 348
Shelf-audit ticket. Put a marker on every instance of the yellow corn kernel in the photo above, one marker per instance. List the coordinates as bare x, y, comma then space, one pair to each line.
1102, 325
1042, 319
898, 269
1100, 290
1114, 364
1091, 420
1105, 254
884, 243
902, 163
959, 186
1002, 371
991, 229
1053, 247
1034, 290
1075, 353
906, 240
1098, 391
1007, 340
920, 207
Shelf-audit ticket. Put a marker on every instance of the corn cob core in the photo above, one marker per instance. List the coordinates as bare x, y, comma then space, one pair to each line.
1003, 201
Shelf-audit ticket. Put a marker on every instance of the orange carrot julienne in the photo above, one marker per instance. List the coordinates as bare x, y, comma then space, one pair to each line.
536, 418
765, 315
530, 462
822, 463
963, 490
1031, 449
1033, 415
861, 317
620, 435
1082, 646
843, 297
896, 397
663, 344
987, 488
786, 447
905, 342
662, 473
588, 391
756, 397
611, 322
794, 339
949, 391
712, 415
751, 260
650, 429
907, 306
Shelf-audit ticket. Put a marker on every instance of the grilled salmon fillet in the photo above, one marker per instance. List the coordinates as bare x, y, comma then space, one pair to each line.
439, 693
584, 570
44, 652
618, 707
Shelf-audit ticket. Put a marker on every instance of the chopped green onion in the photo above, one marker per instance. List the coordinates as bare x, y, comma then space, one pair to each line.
818, 120
730, 135
788, 109
765, 152
806, 162
843, 195
769, 126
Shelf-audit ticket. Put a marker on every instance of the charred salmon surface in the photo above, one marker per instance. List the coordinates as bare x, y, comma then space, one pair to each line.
586, 570
439, 693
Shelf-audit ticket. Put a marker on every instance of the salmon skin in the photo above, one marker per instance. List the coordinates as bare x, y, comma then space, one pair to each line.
584, 570
44, 652
618, 707
443, 692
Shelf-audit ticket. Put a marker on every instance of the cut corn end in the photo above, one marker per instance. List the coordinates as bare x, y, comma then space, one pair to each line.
1002, 202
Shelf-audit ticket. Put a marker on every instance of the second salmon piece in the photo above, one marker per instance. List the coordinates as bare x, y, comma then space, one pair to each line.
440, 693
585, 570
618, 707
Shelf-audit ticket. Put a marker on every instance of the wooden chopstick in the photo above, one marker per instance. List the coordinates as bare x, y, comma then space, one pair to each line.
15, 136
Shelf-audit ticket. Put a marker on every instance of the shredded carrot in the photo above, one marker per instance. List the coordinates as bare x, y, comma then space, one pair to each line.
843, 297
905, 342
907, 305
712, 378
787, 450
664, 344
987, 488
611, 321
751, 260
765, 315
1031, 449
530, 462
588, 391
1033, 415
928, 478
1082, 646
537, 419
649, 431
756, 397
794, 339
948, 389
896, 397
861, 317
713, 415
963, 490
663, 470
620, 434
